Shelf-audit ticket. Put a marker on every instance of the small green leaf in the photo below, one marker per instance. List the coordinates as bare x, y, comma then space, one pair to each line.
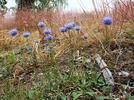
38, 94
5, 62
63, 97
30, 94
77, 94
11, 58
90, 93
83, 81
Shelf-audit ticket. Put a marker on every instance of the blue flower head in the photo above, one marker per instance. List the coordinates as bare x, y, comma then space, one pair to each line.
36, 41
47, 49
85, 36
41, 24
25, 35
63, 29
70, 25
49, 38
77, 28
47, 31
44, 45
107, 21
13, 32
73, 24
29, 48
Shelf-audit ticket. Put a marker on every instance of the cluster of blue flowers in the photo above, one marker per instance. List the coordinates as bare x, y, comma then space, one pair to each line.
14, 32
48, 32
48, 37
70, 26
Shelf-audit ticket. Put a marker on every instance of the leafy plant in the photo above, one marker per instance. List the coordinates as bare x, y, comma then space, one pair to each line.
76, 94
11, 58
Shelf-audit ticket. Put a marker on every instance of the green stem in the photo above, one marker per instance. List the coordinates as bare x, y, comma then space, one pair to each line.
107, 35
69, 38
78, 46
78, 40
51, 54
65, 40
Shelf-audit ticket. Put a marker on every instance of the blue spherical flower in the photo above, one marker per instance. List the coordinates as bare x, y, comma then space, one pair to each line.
107, 21
70, 25
49, 38
29, 48
47, 49
44, 45
41, 24
85, 36
47, 31
77, 28
63, 29
73, 24
26, 34
13, 32
36, 41
46, 38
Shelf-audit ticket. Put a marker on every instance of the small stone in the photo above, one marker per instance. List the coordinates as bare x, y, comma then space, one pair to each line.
1, 75
123, 73
88, 60
40, 74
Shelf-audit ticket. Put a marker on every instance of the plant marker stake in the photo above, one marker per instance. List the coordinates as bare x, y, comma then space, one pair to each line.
106, 72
